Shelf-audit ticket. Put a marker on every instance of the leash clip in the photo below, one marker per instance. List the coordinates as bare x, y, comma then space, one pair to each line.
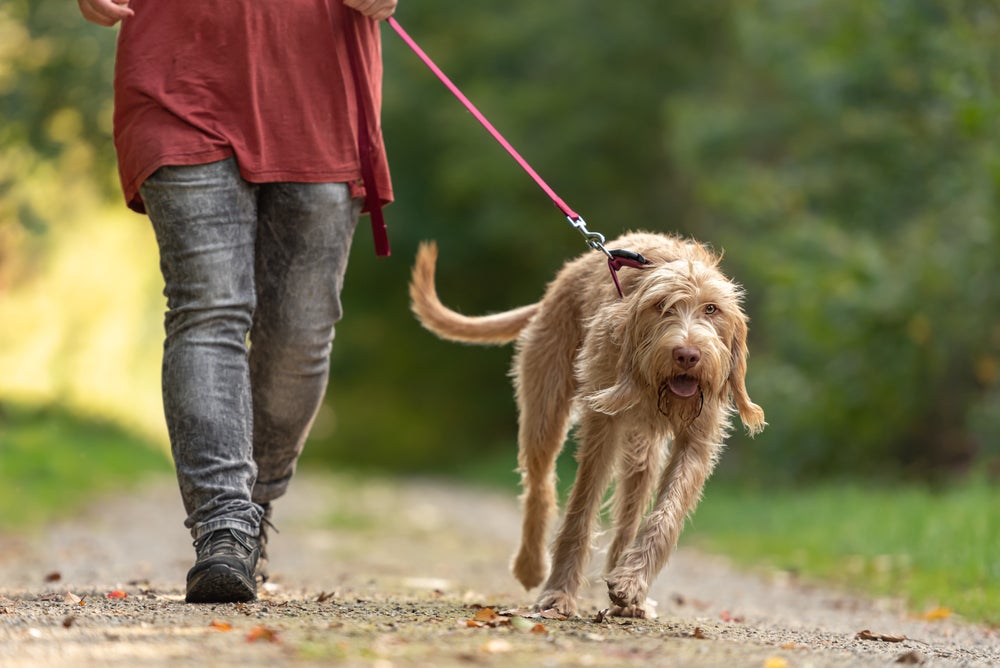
617, 258
593, 239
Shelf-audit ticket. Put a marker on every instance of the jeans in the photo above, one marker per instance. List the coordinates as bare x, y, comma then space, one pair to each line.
253, 275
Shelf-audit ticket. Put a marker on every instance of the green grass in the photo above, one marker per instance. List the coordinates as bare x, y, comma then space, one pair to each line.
53, 462
932, 548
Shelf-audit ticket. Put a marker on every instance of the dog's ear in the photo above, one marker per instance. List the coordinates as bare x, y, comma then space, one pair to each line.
751, 414
625, 393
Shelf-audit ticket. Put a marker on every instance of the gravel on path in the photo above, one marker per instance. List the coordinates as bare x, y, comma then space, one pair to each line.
384, 573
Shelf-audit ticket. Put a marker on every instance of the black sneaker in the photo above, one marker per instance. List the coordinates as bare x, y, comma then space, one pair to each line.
224, 570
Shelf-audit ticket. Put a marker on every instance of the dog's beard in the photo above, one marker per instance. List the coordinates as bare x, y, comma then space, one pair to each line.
672, 405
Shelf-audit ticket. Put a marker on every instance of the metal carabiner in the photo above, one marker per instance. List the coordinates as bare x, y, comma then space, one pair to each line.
593, 239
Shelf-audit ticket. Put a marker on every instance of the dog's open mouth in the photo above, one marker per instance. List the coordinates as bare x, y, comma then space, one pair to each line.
683, 385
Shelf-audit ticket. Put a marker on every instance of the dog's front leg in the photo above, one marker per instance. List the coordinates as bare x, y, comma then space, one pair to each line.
691, 462
641, 457
596, 448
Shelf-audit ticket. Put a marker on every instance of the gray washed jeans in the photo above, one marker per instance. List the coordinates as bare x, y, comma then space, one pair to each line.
253, 275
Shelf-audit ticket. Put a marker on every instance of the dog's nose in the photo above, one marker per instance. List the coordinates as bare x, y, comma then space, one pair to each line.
686, 358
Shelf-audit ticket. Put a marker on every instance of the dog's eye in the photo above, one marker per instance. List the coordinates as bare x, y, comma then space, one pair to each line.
711, 309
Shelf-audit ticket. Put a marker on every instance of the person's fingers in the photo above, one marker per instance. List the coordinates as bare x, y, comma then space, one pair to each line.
105, 12
374, 9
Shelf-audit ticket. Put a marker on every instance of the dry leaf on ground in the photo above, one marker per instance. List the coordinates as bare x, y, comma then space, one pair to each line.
883, 637
263, 633
936, 614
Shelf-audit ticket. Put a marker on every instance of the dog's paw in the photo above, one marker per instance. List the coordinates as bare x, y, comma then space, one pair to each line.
530, 568
559, 601
645, 611
626, 590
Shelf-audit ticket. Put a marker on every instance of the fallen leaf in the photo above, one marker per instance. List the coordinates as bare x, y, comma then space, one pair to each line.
520, 612
486, 615
324, 597
117, 593
698, 634
911, 657
220, 626
602, 616
883, 637
72, 599
262, 633
551, 613
539, 629
775, 662
54, 576
726, 616
792, 645
936, 614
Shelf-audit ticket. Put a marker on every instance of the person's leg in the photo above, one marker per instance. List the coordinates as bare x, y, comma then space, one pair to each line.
204, 217
303, 241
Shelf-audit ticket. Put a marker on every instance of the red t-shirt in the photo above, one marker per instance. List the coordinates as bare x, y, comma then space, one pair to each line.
266, 81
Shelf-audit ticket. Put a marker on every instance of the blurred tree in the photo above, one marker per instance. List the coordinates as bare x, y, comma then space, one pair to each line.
55, 102
845, 154
579, 88
850, 162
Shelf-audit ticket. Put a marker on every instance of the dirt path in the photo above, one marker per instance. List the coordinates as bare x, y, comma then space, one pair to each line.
385, 574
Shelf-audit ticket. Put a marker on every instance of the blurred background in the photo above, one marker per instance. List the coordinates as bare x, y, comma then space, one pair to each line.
843, 154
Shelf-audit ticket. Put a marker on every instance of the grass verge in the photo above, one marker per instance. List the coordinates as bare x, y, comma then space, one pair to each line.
932, 548
53, 461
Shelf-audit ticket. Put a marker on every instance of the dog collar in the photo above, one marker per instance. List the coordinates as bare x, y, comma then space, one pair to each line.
619, 258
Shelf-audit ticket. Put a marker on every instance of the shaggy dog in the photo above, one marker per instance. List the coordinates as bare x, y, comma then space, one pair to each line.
653, 376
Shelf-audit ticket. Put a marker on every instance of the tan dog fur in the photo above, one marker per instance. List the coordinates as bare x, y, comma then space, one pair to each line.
657, 373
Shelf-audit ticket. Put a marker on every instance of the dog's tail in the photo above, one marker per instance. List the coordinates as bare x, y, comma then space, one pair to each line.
487, 329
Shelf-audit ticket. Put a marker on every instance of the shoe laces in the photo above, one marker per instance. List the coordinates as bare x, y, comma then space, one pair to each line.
221, 542
266, 524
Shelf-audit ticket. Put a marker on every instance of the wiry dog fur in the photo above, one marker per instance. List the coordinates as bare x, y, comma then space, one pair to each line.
656, 373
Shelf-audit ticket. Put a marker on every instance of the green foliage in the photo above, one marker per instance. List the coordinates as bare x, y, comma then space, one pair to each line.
52, 462
892, 540
849, 163
845, 155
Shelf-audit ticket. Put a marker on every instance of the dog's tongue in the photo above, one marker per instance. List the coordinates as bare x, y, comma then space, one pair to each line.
683, 386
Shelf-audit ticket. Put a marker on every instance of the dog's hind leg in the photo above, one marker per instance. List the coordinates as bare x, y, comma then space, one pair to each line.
638, 467
691, 461
597, 445
543, 378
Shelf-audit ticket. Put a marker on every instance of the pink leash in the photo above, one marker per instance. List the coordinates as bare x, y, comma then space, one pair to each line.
616, 258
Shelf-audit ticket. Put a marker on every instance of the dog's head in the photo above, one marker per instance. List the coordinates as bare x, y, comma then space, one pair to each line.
681, 333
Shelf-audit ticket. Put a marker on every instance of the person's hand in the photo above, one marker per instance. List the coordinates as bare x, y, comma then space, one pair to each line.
374, 9
105, 12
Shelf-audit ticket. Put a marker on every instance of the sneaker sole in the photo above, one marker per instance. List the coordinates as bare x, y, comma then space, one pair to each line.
220, 584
